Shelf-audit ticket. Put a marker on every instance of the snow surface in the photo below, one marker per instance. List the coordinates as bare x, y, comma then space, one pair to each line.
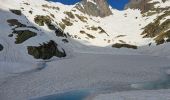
89, 62
136, 95
84, 71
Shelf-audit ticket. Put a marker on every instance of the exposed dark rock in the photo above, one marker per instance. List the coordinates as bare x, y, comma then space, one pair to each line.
46, 51
65, 40
82, 32
10, 35
102, 30
90, 36
50, 7
94, 8
118, 45
15, 22
69, 14
30, 12
81, 18
161, 38
144, 6
26, 3
52, 15
1, 47
41, 20
122, 41
63, 26
120, 36
67, 22
157, 29
94, 28
23, 35
59, 33
17, 12
51, 27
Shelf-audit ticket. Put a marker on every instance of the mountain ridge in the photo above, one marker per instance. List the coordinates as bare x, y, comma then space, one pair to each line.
94, 7
143, 5
71, 29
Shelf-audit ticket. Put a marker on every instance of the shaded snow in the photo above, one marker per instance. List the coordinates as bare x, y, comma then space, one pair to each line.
84, 71
137, 95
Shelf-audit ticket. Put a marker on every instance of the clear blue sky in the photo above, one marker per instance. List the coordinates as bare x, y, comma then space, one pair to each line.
118, 4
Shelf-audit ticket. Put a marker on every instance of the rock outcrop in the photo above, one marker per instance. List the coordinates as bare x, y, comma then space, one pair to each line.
94, 7
1, 47
143, 5
46, 51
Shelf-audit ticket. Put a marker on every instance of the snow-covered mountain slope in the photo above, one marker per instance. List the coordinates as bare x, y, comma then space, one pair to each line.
18, 29
43, 30
22, 41
34, 34
61, 23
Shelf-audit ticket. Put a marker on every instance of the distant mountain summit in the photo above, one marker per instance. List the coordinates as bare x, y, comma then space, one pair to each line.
143, 5
94, 7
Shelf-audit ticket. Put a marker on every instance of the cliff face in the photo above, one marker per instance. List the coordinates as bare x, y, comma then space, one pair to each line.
143, 5
94, 7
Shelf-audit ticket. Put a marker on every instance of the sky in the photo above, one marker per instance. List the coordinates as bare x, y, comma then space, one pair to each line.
118, 4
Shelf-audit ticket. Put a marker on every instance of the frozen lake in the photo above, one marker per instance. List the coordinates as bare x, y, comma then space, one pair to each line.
104, 72
163, 83
72, 95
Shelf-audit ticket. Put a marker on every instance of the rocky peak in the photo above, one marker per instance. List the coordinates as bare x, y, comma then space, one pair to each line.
94, 7
139, 4
143, 5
